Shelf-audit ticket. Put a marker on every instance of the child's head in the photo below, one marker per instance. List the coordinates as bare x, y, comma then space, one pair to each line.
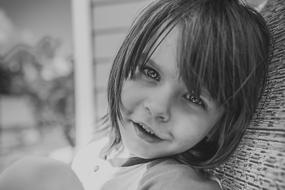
187, 80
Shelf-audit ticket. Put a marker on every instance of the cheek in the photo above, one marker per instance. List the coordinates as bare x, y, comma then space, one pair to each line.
132, 95
190, 129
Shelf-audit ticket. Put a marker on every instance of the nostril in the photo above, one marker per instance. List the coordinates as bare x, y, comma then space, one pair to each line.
157, 111
163, 117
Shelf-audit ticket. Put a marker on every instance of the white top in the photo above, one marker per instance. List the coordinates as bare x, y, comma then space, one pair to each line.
96, 173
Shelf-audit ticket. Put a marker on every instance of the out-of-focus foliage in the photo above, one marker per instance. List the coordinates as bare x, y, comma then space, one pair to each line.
34, 72
5, 79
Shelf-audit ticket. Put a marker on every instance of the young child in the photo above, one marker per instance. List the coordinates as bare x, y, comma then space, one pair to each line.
182, 89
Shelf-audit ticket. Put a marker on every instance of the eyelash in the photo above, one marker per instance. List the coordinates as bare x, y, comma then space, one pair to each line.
151, 73
154, 75
194, 99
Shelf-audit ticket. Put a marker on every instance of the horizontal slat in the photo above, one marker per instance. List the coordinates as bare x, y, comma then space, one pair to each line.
106, 46
112, 2
110, 31
117, 15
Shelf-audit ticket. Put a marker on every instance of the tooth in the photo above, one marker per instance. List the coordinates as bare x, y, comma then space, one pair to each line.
146, 129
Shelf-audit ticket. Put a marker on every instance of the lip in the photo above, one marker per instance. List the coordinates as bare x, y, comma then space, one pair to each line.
145, 126
141, 132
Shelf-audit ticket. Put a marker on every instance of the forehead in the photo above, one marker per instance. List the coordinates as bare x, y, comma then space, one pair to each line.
167, 59
165, 55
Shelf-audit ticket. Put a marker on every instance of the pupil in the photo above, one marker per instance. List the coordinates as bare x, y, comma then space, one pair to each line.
152, 74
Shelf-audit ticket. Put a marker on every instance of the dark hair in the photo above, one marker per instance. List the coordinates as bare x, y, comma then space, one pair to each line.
224, 47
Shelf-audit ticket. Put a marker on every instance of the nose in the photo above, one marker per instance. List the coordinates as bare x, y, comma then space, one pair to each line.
158, 104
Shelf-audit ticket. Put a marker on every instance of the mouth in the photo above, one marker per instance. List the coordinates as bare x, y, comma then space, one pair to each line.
145, 133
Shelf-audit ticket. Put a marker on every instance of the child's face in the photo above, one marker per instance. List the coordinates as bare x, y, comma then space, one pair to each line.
156, 100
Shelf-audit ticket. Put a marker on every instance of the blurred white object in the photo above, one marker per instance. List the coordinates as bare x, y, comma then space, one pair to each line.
64, 154
84, 88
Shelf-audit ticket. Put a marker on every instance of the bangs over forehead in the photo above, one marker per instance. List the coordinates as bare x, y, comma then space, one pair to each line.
209, 50
221, 48
217, 40
150, 29
153, 25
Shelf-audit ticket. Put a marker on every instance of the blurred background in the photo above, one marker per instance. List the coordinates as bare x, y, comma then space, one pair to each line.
36, 78
55, 57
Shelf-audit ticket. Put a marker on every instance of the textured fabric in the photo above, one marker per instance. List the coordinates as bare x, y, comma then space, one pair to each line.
259, 161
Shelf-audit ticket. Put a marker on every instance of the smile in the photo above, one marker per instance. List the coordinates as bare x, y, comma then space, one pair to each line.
145, 133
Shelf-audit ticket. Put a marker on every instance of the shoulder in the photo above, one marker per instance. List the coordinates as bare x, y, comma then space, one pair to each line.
87, 155
169, 174
90, 168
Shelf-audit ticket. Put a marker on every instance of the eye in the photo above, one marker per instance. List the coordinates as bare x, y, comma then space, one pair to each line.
151, 73
194, 99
